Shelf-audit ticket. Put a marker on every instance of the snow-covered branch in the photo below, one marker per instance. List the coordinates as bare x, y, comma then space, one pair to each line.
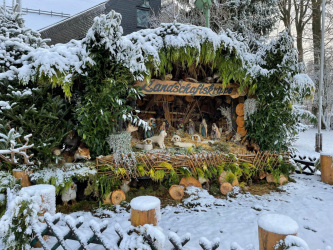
12, 151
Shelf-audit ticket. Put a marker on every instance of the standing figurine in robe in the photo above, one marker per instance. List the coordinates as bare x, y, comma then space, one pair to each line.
215, 134
203, 128
163, 127
180, 129
152, 124
191, 127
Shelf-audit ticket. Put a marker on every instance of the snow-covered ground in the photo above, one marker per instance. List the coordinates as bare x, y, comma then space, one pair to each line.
308, 201
306, 142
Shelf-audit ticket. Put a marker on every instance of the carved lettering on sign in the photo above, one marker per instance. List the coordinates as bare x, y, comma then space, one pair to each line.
185, 88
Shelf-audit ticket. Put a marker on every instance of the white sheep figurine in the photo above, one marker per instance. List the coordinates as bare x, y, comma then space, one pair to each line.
176, 138
159, 139
69, 194
146, 145
196, 138
177, 141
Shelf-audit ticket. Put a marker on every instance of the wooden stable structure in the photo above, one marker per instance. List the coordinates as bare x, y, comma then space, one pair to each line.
193, 161
179, 101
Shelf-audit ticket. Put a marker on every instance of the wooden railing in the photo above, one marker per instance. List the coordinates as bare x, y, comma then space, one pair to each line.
306, 163
41, 12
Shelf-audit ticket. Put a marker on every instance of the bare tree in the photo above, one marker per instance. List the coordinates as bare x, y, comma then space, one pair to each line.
327, 94
302, 17
251, 18
285, 13
316, 32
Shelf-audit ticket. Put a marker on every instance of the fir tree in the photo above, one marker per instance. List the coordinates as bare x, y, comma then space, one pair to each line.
16, 40
274, 125
28, 108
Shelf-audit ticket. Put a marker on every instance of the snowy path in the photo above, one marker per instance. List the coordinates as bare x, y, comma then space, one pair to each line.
306, 142
308, 201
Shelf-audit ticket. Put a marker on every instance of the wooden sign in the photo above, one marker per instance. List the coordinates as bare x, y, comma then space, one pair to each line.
160, 87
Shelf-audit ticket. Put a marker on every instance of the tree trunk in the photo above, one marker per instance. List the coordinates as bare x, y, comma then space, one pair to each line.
299, 41
316, 34
285, 11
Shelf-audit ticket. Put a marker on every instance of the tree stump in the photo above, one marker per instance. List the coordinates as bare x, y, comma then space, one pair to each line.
145, 210
240, 109
225, 188
24, 176
117, 197
274, 227
190, 181
326, 163
176, 192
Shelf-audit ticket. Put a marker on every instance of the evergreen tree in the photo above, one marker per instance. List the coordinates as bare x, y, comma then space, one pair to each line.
281, 84
16, 40
107, 82
252, 17
28, 108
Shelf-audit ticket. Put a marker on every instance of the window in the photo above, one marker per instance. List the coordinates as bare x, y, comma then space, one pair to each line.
142, 14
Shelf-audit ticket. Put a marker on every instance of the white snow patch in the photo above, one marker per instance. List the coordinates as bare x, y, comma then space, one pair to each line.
278, 223
305, 144
145, 203
47, 194
295, 243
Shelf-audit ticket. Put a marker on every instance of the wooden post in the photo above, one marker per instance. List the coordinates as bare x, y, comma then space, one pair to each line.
326, 164
145, 210
24, 176
274, 227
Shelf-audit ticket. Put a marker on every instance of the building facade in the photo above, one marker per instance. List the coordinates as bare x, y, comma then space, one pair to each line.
135, 16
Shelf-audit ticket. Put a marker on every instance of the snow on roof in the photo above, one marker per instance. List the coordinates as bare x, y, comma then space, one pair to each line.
71, 7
